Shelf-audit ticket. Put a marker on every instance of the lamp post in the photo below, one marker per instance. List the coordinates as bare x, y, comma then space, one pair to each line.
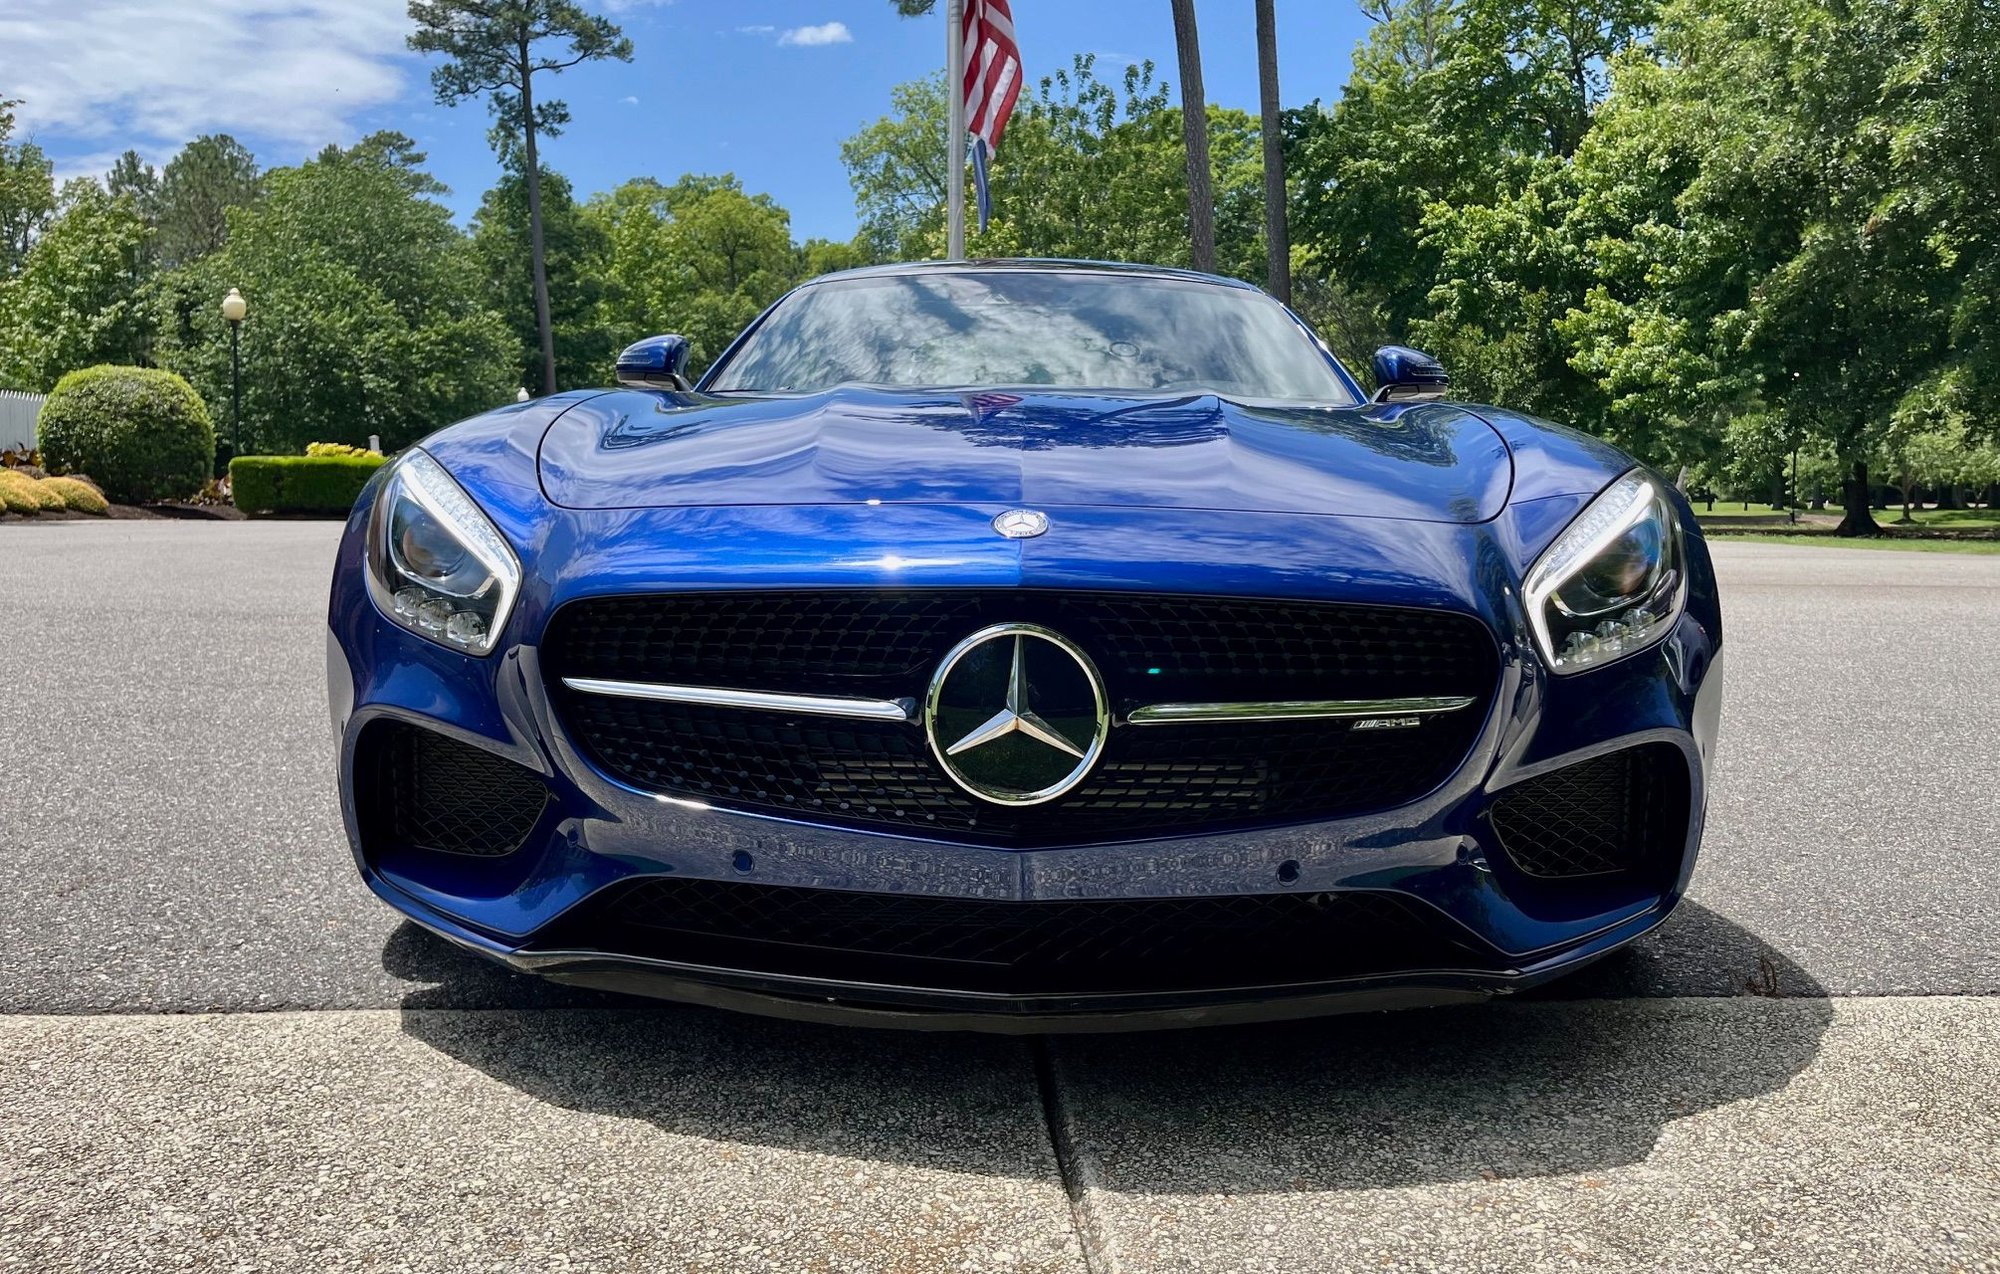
234, 307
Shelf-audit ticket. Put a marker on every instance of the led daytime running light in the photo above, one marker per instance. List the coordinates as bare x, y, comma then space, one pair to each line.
1624, 505
459, 622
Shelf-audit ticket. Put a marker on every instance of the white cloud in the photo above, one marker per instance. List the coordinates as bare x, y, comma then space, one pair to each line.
825, 33
154, 73
762, 28
629, 101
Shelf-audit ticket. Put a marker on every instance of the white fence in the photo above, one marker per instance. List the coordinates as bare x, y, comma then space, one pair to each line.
17, 419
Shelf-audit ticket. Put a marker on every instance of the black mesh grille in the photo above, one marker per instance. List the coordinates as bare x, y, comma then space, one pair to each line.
1151, 781
1016, 947
438, 794
1150, 649
1621, 812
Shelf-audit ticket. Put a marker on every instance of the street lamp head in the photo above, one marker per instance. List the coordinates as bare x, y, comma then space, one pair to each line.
234, 307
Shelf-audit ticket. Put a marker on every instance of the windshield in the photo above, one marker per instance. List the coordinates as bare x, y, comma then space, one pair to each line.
1063, 329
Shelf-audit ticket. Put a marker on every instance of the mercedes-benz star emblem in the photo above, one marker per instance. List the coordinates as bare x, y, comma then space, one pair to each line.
1016, 715
1021, 524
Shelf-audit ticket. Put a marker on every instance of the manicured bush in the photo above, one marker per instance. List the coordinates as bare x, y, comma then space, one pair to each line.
45, 497
79, 495
335, 449
17, 494
300, 484
144, 435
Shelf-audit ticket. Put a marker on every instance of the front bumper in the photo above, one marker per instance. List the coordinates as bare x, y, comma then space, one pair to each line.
875, 1004
1439, 854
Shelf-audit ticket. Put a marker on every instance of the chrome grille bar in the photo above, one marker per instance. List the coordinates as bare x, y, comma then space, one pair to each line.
757, 700
1293, 710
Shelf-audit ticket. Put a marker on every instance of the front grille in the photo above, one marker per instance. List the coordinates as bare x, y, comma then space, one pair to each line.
1621, 812
434, 793
1150, 781
1078, 946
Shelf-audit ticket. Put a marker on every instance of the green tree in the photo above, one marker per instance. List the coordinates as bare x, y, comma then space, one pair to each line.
825, 256
1778, 278
699, 257
211, 175
367, 315
396, 153
27, 193
1453, 106
897, 166
1946, 154
495, 49
574, 248
133, 176
76, 300
1089, 170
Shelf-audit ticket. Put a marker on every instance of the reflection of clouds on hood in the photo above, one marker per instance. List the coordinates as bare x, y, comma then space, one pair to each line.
1017, 343
1075, 331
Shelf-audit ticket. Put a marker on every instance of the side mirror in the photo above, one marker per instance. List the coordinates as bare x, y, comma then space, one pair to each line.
1403, 374
658, 362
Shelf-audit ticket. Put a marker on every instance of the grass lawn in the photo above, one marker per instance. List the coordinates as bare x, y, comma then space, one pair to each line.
1834, 541
1728, 515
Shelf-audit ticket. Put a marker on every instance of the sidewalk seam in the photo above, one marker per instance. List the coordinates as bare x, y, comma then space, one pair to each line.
1074, 1167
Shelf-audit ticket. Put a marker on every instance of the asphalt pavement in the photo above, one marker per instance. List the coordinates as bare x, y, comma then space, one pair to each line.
223, 1053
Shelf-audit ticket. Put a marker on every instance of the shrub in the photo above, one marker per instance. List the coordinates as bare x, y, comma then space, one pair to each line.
335, 449
47, 496
44, 497
300, 484
17, 494
144, 435
78, 494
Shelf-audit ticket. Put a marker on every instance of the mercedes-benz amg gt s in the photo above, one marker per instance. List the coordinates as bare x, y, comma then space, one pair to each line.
1019, 646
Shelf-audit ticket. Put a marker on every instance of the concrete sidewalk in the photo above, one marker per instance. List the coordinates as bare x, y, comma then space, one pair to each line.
1687, 1134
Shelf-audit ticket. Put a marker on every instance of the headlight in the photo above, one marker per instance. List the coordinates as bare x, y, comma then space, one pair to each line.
436, 564
1613, 582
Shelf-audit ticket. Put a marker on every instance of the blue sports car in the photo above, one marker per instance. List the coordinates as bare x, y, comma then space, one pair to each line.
1025, 645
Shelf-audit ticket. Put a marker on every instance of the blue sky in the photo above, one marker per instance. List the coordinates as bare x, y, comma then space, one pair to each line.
766, 89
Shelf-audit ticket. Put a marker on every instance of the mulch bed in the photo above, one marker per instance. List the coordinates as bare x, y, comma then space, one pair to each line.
135, 513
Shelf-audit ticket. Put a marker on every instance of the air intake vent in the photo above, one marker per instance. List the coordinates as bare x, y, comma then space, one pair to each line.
448, 797
970, 944
1622, 812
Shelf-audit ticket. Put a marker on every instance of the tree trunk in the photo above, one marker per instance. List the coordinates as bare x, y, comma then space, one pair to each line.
537, 258
1277, 240
1855, 518
1194, 125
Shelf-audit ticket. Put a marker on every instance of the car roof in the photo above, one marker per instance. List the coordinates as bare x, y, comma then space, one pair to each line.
1047, 265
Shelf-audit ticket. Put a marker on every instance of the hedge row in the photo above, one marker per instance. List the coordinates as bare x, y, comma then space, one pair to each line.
300, 484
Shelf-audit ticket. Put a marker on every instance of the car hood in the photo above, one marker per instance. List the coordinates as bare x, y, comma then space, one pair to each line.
642, 449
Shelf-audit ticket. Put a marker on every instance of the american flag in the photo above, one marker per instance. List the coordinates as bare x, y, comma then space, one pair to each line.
992, 83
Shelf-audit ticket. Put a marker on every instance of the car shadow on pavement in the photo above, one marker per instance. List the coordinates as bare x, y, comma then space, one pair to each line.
1580, 1078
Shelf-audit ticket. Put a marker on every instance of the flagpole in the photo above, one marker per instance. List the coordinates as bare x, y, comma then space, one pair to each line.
954, 166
